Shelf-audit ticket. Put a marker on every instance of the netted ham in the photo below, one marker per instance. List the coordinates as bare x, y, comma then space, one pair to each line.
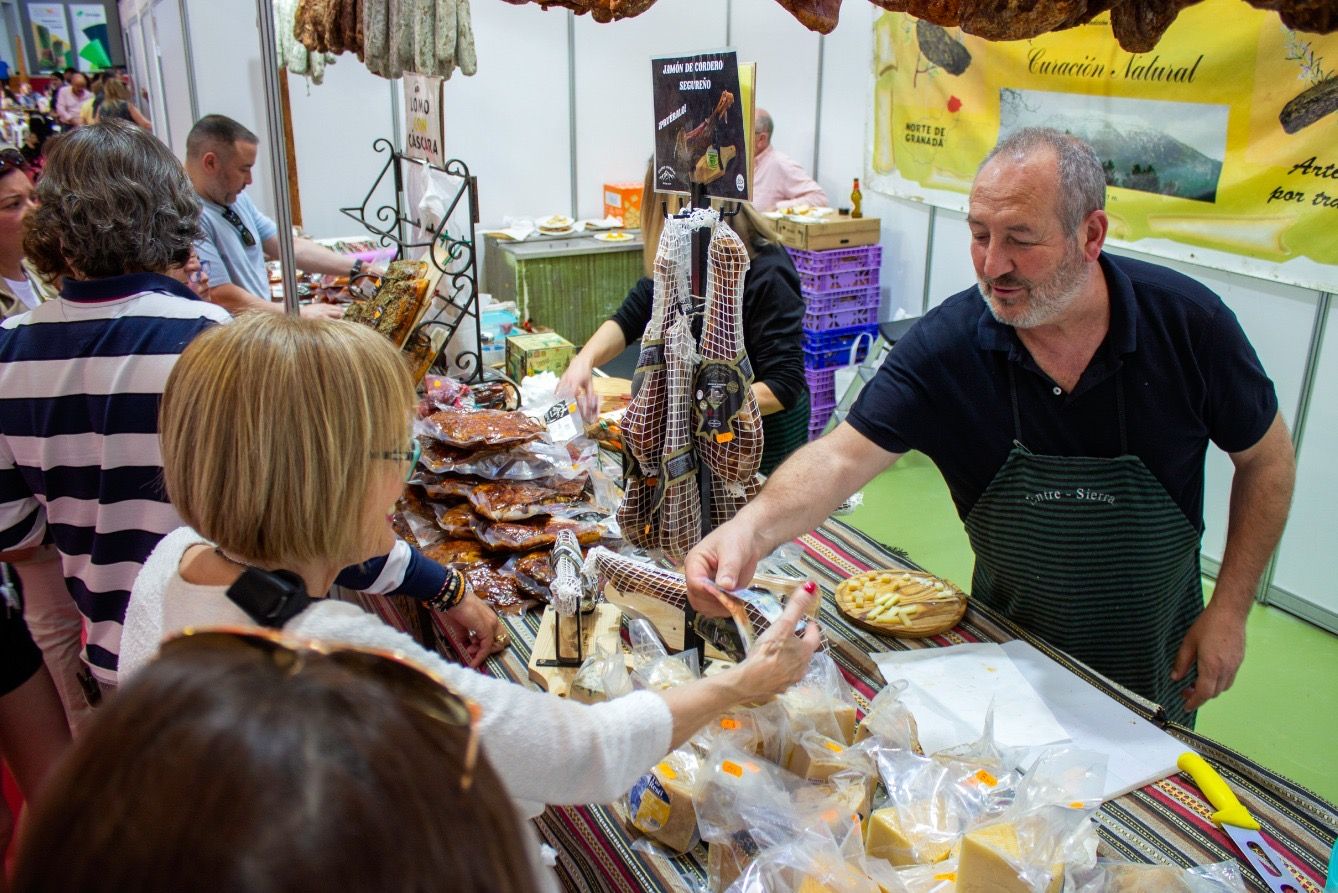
494, 587
643, 422
482, 428
636, 513
728, 421
456, 553
679, 519
728, 498
523, 536
456, 521
517, 500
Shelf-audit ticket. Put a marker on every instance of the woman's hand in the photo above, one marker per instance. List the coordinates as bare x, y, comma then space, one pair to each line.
779, 658
578, 381
486, 634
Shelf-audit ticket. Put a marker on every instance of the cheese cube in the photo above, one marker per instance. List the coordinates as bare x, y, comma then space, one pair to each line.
817, 758
660, 804
909, 834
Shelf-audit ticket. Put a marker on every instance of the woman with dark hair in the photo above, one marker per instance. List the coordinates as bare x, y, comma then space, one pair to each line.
773, 327
240, 761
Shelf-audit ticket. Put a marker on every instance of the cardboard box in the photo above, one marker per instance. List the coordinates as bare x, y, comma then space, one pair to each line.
835, 232
623, 200
528, 354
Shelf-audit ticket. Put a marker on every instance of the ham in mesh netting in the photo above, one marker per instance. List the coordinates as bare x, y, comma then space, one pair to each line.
728, 421
680, 516
643, 421
728, 498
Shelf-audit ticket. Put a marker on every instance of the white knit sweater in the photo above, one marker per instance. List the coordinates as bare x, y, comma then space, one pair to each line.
545, 749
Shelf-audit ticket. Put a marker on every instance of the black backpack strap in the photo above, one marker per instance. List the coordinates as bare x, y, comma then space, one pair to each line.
270, 598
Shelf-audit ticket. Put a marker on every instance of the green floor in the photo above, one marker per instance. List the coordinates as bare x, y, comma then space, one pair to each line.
1283, 709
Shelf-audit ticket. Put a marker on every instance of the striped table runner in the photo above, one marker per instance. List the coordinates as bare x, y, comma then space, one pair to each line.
1166, 822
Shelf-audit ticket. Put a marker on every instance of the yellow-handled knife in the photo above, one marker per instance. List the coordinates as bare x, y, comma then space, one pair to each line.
1239, 825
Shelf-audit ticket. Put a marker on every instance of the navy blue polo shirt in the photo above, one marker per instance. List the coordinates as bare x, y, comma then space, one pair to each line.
1189, 376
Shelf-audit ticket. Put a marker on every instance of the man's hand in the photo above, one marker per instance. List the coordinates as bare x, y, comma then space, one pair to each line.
322, 311
1216, 642
578, 381
483, 627
726, 559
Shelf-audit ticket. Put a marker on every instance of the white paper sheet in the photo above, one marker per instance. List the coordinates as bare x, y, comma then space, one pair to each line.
952, 688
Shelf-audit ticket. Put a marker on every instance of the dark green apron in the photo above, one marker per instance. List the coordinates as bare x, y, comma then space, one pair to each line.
784, 432
1095, 557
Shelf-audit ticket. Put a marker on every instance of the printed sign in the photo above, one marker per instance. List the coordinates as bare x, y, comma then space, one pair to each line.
424, 132
701, 125
51, 36
1222, 138
90, 36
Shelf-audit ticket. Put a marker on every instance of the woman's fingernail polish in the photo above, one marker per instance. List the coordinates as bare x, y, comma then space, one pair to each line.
810, 587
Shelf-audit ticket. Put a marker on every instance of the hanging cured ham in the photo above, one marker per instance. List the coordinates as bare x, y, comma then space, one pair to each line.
680, 507
728, 425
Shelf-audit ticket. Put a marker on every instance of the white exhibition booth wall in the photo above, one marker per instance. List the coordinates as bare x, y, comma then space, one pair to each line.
562, 105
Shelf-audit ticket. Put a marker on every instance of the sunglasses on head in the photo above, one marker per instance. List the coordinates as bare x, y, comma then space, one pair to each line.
415, 686
11, 160
411, 455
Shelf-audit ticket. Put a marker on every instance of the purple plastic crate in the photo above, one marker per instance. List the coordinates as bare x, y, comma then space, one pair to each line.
816, 430
823, 350
836, 259
840, 319
821, 386
842, 300
822, 283
820, 410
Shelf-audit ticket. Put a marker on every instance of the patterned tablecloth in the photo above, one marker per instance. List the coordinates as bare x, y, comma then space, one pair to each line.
1165, 822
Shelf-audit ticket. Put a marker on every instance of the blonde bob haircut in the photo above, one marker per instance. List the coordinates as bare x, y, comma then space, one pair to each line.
269, 429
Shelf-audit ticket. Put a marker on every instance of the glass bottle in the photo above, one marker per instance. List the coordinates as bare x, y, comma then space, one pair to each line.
855, 198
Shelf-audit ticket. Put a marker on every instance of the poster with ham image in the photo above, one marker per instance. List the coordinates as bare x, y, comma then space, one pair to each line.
701, 123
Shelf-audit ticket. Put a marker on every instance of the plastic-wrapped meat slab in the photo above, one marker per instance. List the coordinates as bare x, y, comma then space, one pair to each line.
517, 500
494, 587
476, 429
456, 553
534, 574
524, 536
456, 521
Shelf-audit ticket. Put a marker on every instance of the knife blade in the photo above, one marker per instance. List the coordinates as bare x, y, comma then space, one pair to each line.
1240, 826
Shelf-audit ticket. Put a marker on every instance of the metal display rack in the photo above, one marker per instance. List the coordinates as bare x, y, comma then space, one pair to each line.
454, 258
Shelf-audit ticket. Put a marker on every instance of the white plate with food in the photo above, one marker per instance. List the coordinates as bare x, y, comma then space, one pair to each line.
614, 237
557, 223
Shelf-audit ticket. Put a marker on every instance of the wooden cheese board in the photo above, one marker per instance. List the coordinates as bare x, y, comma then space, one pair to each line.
905, 604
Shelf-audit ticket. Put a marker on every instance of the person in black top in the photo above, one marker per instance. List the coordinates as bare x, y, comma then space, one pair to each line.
773, 335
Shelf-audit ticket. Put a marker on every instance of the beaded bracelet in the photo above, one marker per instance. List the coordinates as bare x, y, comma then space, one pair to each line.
452, 591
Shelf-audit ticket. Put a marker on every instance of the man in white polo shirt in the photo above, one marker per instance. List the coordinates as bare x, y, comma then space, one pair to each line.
237, 238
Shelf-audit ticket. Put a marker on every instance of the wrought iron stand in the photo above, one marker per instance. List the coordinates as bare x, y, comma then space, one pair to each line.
455, 258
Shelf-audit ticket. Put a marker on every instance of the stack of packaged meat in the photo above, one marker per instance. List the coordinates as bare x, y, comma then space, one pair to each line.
692, 401
490, 497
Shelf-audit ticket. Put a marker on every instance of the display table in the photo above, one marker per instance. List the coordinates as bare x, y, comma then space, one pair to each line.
1166, 822
568, 283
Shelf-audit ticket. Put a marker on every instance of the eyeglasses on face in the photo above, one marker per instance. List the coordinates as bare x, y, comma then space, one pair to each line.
411, 455
415, 686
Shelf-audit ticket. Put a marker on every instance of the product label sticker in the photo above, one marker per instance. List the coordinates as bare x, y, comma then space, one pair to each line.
719, 393
649, 804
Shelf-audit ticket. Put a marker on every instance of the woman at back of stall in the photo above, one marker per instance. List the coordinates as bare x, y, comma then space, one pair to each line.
285, 444
773, 326
115, 103
241, 762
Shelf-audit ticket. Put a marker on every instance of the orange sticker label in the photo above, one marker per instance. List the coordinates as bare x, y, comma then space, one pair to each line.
724, 437
986, 779
833, 746
729, 724
946, 876
732, 768
1076, 804
666, 770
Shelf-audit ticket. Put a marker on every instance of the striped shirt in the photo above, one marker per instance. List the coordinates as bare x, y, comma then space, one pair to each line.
80, 382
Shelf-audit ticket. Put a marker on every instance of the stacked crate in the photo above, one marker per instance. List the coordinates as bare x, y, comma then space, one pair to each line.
841, 297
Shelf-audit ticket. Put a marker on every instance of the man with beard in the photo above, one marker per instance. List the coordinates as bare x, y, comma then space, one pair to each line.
1070, 413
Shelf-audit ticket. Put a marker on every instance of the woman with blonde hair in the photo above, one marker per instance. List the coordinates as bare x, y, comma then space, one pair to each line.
285, 443
773, 326
115, 103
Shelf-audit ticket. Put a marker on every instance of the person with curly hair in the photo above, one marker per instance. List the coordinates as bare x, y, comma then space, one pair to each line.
82, 374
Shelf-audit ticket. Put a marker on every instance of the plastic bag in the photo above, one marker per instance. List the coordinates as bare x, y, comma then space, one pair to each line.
540, 459
925, 813
807, 865
653, 667
889, 721
821, 702
939, 878
1036, 847
602, 677
481, 428
660, 802
1128, 877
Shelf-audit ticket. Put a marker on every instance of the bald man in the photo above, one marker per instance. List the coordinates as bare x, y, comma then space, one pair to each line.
779, 182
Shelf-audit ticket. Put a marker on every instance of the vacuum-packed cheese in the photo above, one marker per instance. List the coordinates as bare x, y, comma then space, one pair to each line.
909, 834
660, 804
991, 861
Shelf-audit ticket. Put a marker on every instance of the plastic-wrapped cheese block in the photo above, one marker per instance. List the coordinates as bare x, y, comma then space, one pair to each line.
991, 861
817, 758
660, 803
908, 835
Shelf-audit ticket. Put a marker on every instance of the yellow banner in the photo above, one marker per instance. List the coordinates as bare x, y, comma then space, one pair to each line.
1224, 137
